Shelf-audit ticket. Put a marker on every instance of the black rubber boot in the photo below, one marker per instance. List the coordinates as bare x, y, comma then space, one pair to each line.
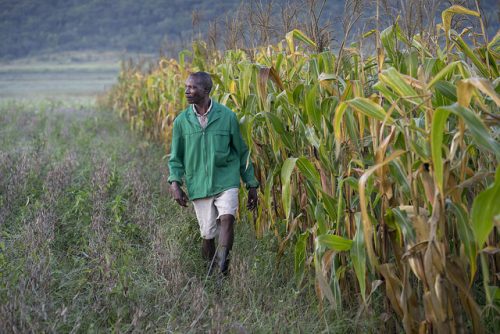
208, 252
226, 238
223, 260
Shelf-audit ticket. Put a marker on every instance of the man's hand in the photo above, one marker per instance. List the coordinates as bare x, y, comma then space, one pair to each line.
178, 194
252, 199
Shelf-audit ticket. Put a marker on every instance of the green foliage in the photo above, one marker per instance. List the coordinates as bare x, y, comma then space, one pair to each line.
362, 158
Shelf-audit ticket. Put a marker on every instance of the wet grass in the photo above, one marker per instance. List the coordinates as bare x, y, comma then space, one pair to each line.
90, 240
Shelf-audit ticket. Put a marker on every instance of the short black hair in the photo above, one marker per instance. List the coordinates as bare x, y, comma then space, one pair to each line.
204, 78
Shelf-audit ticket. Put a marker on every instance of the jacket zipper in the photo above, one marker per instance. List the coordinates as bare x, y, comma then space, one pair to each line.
205, 153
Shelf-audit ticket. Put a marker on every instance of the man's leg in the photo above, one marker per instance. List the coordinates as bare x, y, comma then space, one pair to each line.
208, 249
226, 239
227, 205
206, 213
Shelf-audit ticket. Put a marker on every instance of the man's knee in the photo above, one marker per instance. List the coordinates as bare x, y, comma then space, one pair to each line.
226, 219
208, 231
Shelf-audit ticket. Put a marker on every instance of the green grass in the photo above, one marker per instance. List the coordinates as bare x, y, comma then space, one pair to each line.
90, 240
78, 81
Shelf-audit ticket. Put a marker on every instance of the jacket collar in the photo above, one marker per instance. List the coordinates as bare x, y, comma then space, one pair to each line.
213, 115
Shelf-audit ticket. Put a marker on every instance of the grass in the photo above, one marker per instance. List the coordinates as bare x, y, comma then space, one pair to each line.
90, 240
76, 78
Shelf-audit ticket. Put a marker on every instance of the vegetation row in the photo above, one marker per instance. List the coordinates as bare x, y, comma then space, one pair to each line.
379, 169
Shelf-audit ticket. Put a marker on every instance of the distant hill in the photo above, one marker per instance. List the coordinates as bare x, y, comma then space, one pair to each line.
31, 27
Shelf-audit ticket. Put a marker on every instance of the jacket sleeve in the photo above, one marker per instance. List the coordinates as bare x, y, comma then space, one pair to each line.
246, 168
176, 161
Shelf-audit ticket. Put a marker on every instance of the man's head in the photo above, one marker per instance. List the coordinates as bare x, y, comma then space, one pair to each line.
198, 86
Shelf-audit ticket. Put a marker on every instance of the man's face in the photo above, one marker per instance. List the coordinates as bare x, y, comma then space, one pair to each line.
195, 92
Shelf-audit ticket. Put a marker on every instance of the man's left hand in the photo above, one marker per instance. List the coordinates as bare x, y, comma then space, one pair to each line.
252, 199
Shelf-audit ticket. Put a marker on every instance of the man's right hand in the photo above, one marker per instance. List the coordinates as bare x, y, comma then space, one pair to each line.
178, 194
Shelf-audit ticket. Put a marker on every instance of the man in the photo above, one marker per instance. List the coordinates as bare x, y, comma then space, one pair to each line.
209, 153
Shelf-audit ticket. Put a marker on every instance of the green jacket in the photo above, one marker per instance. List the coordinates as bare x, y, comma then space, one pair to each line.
211, 160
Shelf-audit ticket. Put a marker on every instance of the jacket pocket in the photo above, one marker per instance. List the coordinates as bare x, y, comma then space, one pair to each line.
221, 149
221, 142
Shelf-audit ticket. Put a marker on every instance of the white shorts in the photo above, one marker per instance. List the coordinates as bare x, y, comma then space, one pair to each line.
209, 209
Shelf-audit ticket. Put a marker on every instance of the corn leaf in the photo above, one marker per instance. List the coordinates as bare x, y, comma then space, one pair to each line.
286, 173
447, 71
309, 171
494, 46
466, 236
392, 78
478, 130
466, 87
465, 48
485, 210
300, 257
367, 223
370, 109
333, 242
448, 14
358, 256
300, 36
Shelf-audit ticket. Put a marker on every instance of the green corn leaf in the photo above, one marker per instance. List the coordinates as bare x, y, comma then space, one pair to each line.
363, 203
370, 109
337, 124
313, 110
311, 136
392, 78
404, 224
485, 210
494, 46
308, 169
446, 90
386, 92
480, 65
333, 242
466, 235
300, 257
286, 173
324, 287
389, 38
330, 205
447, 71
279, 129
438, 122
478, 130
358, 256
320, 217
300, 36
397, 172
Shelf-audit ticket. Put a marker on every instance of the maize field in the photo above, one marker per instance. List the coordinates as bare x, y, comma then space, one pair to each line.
379, 172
